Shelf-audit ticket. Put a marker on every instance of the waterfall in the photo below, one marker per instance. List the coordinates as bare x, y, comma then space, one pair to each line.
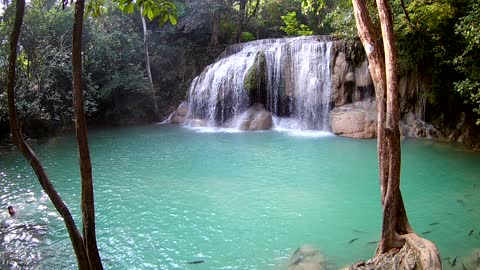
291, 77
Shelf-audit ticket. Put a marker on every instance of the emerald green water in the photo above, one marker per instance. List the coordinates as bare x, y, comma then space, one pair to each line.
168, 195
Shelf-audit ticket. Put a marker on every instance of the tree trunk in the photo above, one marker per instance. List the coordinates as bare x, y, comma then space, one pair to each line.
30, 156
147, 61
241, 19
384, 75
87, 202
214, 39
395, 220
145, 47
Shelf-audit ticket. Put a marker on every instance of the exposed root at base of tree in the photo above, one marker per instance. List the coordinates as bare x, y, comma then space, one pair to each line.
417, 253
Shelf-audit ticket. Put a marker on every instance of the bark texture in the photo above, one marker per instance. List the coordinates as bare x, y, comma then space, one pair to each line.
147, 59
383, 67
241, 19
145, 48
87, 202
30, 156
214, 38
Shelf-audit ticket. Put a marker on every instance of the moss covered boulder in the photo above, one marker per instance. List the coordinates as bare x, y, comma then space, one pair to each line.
255, 81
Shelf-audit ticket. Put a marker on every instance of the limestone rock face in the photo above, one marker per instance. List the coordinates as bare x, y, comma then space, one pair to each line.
351, 81
362, 75
340, 71
307, 258
355, 120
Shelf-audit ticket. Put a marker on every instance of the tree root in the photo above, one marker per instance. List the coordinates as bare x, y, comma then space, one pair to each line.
427, 254
416, 253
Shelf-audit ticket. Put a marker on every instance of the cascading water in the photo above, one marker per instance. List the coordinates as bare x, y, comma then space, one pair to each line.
291, 77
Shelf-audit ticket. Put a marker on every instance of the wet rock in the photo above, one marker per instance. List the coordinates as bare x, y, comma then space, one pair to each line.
355, 120
307, 258
180, 114
197, 123
418, 128
255, 118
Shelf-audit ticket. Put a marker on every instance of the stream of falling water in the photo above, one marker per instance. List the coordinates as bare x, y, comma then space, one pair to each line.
298, 83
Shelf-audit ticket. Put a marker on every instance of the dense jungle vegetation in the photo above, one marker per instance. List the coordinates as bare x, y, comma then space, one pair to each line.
440, 39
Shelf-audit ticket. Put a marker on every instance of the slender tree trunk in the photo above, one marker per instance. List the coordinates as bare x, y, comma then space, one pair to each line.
30, 156
147, 60
87, 203
145, 48
395, 220
241, 19
384, 74
214, 39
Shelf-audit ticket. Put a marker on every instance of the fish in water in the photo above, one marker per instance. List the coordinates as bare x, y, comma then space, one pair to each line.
372, 242
467, 195
471, 232
461, 202
196, 262
446, 259
426, 232
358, 231
454, 262
353, 240
434, 223
463, 266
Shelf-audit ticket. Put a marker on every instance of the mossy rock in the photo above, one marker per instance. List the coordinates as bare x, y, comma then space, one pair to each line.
255, 79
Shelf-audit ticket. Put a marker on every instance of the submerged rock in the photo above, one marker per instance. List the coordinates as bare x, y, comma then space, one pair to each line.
355, 120
307, 258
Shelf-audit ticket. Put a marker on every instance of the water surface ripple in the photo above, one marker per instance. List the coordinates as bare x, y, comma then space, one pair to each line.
168, 195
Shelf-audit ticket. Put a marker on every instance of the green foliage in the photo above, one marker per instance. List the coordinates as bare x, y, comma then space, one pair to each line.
247, 36
467, 63
313, 6
471, 91
293, 27
163, 9
340, 20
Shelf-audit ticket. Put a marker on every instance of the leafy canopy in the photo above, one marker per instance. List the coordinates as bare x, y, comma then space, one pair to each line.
163, 9
293, 27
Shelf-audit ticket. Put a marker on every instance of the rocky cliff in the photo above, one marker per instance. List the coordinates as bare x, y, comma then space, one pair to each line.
268, 77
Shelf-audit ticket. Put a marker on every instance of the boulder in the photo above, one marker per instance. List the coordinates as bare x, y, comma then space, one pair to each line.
307, 258
418, 128
255, 118
179, 116
197, 123
355, 120
177, 119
